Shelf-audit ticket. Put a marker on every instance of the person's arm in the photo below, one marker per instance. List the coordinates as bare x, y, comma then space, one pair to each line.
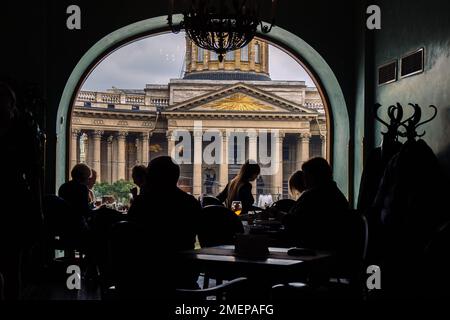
222, 196
85, 202
135, 208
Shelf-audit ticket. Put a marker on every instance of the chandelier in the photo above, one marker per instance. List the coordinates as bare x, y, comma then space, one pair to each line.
221, 26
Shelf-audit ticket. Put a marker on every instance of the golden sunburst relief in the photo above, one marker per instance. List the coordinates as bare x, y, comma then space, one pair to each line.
239, 102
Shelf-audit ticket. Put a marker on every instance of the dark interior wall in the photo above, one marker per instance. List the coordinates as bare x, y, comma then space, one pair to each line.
23, 35
407, 26
42, 50
364, 79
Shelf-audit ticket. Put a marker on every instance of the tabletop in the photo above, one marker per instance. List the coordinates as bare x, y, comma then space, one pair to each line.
276, 265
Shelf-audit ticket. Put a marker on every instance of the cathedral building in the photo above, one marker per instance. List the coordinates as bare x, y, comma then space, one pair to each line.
232, 105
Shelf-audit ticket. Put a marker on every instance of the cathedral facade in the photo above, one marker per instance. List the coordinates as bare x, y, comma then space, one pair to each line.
216, 117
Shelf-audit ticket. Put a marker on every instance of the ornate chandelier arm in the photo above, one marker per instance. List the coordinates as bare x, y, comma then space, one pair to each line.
217, 28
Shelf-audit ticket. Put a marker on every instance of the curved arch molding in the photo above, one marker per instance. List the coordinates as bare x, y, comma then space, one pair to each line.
337, 107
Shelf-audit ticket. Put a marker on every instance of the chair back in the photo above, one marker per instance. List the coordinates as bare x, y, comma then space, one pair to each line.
135, 264
210, 201
124, 246
353, 252
61, 221
218, 226
284, 205
234, 289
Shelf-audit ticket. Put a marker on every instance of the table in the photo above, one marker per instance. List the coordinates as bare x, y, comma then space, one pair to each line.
277, 267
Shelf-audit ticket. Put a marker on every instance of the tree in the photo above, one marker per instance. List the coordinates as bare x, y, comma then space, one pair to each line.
120, 190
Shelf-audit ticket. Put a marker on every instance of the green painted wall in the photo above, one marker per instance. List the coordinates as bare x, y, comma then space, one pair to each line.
407, 26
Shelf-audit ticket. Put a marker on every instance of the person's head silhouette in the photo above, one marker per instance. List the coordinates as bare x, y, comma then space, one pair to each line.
81, 173
162, 172
249, 171
317, 172
297, 183
138, 174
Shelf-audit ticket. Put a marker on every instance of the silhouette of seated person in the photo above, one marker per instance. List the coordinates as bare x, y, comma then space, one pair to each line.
91, 183
318, 217
297, 184
280, 208
218, 226
169, 218
240, 187
138, 173
76, 191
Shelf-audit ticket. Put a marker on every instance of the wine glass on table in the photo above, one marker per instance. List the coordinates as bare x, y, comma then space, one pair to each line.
236, 207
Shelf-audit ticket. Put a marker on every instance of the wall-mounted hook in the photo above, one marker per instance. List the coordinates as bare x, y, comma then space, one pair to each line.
426, 121
378, 106
412, 123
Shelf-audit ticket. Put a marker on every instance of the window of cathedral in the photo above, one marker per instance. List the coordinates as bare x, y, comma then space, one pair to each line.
200, 54
229, 56
213, 56
244, 54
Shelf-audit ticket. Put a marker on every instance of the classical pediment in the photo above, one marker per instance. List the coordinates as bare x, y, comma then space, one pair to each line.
239, 102
239, 98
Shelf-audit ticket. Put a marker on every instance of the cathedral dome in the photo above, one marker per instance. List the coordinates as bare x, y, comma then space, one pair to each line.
250, 63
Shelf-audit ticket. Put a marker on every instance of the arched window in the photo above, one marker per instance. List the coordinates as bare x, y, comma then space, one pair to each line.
229, 56
200, 54
244, 54
257, 53
112, 171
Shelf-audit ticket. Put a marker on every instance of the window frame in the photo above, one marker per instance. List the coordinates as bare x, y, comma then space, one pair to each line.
246, 54
200, 55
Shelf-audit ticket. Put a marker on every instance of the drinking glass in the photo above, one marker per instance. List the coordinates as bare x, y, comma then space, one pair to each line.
236, 207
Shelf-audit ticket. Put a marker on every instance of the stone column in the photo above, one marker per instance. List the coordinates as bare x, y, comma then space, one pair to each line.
138, 150
197, 172
251, 55
304, 143
277, 178
145, 148
109, 154
323, 138
115, 158
224, 160
253, 146
302, 149
121, 155
96, 164
253, 155
74, 148
90, 149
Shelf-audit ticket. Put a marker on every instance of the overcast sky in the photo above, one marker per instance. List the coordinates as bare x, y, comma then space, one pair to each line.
157, 59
